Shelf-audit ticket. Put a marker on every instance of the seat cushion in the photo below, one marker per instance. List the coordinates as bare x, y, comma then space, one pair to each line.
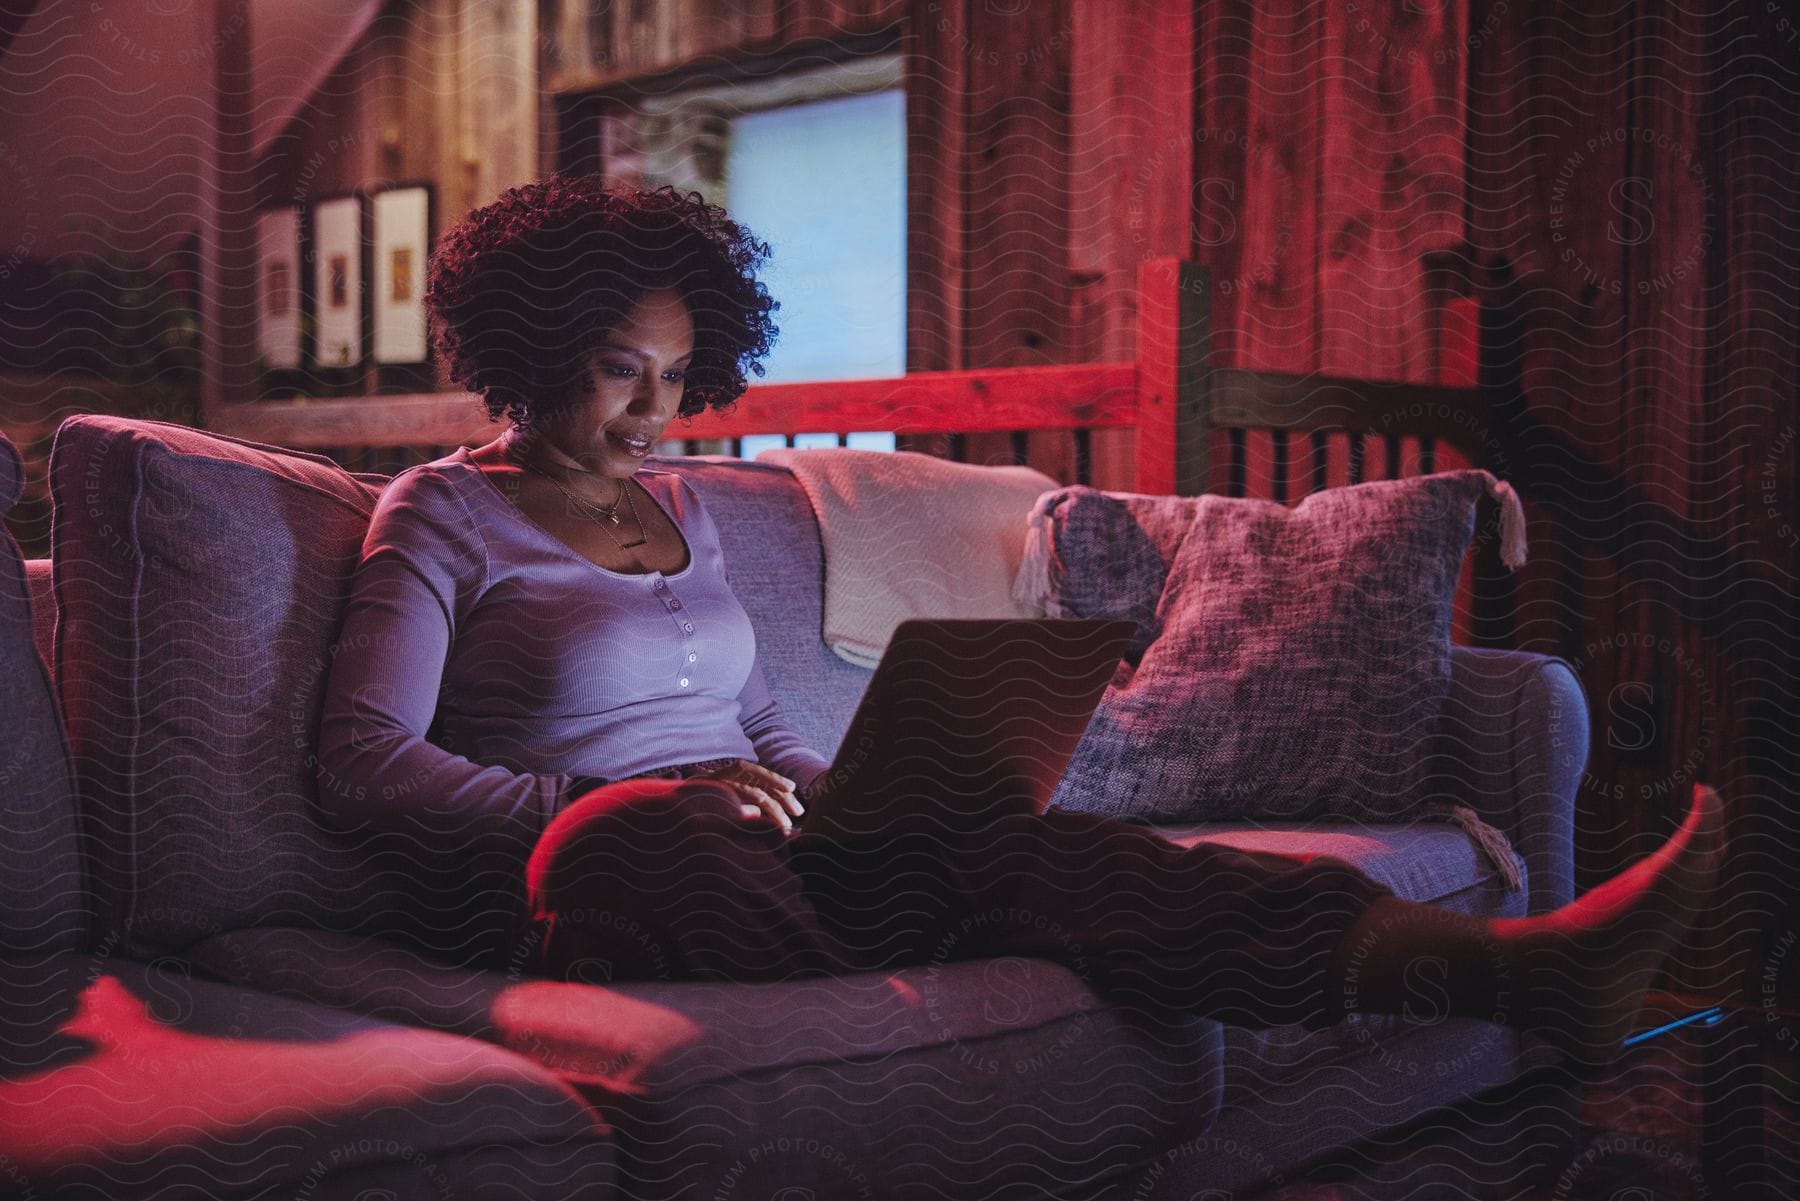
964, 1077
41, 904
123, 1079
1424, 861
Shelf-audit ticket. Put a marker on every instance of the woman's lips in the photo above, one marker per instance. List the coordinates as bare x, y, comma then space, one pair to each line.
631, 444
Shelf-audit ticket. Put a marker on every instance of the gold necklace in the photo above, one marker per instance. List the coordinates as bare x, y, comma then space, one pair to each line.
596, 512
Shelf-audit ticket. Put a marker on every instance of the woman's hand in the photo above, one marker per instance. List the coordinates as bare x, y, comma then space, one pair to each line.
763, 791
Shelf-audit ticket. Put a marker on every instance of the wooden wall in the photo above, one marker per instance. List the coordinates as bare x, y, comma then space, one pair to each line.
592, 45
444, 92
1638, 254
1349, 169
1617, 190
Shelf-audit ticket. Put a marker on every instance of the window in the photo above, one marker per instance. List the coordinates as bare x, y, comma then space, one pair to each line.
815, 164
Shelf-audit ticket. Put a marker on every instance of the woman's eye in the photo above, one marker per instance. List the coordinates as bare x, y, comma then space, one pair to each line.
624, 371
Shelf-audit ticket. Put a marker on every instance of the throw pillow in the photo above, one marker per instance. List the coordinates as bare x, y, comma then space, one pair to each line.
1292, 662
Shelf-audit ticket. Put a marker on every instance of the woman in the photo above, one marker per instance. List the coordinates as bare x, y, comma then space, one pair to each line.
546, 650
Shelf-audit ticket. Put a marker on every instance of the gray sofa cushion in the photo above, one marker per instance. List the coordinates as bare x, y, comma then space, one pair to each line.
918, 1079
121, 1078
1301, 656
41, 903
776, 567
199, 581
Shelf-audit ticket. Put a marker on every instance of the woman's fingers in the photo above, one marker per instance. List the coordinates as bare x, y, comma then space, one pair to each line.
789, 795
769, 805
772, 781
774, 784
772, 792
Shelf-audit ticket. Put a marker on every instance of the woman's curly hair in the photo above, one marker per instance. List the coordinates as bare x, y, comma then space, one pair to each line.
521, 292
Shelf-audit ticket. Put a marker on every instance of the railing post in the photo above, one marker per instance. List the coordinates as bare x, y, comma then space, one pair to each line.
1174, 413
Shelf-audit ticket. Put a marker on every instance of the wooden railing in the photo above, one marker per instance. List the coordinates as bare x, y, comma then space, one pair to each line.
1176, 399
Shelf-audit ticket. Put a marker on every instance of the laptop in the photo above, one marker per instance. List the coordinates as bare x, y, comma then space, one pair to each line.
968, 719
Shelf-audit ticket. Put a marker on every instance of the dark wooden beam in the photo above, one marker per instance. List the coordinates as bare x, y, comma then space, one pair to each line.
228, 223
750, 60
1273, 400
1174, 413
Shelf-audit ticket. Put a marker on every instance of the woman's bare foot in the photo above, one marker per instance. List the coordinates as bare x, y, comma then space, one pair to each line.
1581, 972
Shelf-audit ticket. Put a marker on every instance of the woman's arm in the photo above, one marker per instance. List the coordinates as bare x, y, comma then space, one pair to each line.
776, 744
422, 567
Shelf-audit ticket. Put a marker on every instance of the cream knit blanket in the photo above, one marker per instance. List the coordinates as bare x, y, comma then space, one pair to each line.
911, 535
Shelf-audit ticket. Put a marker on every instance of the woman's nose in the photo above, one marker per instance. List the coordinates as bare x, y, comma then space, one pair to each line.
654, 397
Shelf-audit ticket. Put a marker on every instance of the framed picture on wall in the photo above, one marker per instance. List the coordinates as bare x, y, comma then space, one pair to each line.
336, 253
278, 287
402, 238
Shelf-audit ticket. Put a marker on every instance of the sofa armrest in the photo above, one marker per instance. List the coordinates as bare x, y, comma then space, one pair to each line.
1512, 745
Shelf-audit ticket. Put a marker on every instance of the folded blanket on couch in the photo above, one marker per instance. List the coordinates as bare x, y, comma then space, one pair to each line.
911, 535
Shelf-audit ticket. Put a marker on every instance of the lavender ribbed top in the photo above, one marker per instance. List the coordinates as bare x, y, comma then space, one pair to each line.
482, 663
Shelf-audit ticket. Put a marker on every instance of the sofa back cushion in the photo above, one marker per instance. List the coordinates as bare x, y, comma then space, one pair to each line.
776, 566
42, 909
199, 580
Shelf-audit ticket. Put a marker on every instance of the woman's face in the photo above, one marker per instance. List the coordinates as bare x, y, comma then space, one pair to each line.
639, 374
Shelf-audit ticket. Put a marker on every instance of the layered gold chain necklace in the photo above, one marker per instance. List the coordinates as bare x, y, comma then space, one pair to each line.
605, 516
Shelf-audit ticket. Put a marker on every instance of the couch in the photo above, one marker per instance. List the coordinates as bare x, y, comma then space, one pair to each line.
209, 992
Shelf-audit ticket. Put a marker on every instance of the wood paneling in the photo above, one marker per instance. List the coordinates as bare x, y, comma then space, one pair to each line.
936, 51
1277, 276
1389, 81
1220, 188
1015, 206
591, 45
439, 90
498, 121
1542, 154
1749, 394
1131, 167
1639, 258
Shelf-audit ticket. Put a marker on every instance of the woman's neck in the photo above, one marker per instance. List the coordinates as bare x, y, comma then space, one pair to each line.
536, 452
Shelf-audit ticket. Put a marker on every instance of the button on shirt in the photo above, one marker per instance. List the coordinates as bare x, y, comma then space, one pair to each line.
485, 663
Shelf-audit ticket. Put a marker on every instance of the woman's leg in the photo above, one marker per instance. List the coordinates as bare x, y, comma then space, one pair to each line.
1243, 938
1576, 976
665, 879
1249, 940
890, 898
1255, 941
